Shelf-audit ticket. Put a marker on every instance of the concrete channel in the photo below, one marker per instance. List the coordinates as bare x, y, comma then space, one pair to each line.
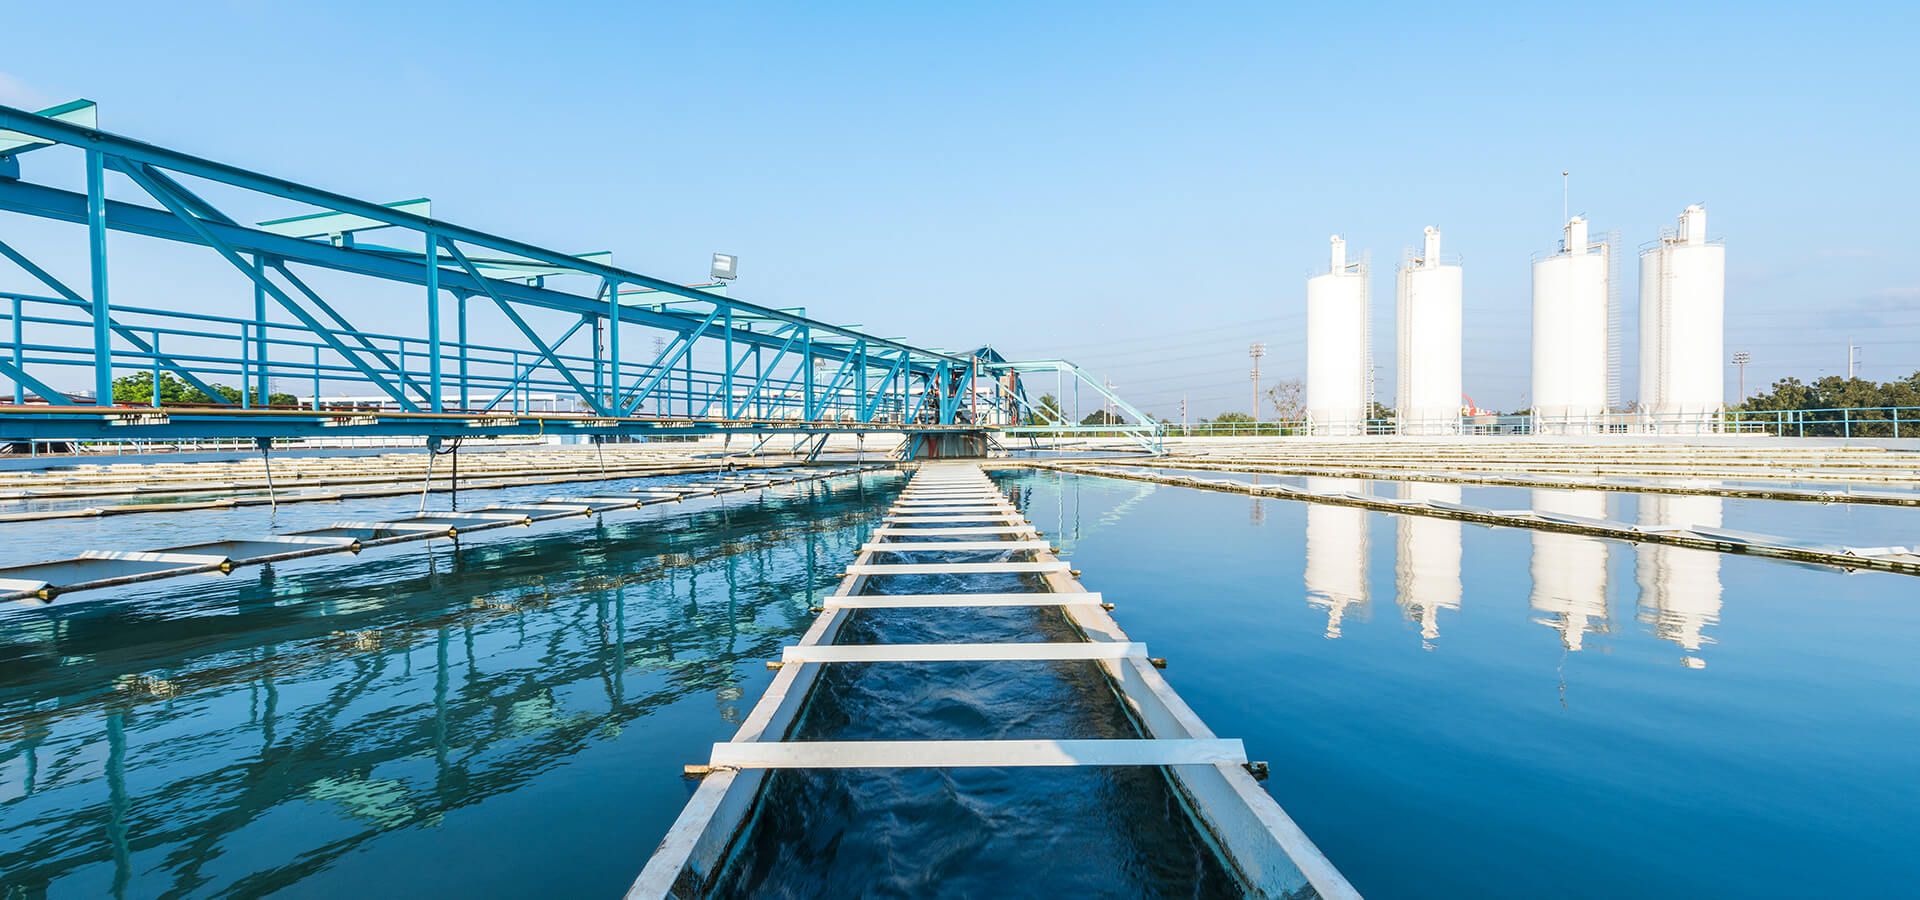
1266, 850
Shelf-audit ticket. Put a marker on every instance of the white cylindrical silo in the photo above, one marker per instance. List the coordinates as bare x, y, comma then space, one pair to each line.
1683, 290
1570, 570
1679, 586
1427, 319
1336, 573
1427, 562
1338, 355
1570, 330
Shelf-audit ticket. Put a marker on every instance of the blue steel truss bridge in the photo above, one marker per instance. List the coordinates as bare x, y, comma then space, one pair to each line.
262, 346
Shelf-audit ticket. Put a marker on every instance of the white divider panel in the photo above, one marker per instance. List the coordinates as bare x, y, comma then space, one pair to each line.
962, 754
890, 531
954, 546
955, 519
919, 601
954, 501
1001, 652
985, 568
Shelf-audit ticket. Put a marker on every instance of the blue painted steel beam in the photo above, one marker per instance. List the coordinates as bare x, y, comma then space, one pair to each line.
97, 265
589, 397
200, 207
943, 380
90, 139
127, 334
232, 256
53, 203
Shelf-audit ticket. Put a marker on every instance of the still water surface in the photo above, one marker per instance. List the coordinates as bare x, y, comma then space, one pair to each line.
505, 718
1449, 710
1458, 711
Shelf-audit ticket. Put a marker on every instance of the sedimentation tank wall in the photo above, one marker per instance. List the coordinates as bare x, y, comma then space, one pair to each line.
1427, 319
1570, 332
1338, 355
1683, 286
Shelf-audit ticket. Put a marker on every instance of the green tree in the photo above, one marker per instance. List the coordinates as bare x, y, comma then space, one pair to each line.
1046, 411
1102, 417
1791, 395
137, 390
1229, 418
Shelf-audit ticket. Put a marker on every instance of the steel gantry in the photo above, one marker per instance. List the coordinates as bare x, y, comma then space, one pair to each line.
576, 361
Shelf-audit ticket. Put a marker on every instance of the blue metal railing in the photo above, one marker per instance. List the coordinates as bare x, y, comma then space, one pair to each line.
220, 349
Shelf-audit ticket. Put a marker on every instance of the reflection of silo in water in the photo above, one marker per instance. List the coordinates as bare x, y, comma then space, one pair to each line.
1570, 571
1336, 553
1679, 587
1427, 564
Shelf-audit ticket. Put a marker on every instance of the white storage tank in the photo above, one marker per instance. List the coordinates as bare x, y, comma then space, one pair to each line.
1683, 289
1572, 326
1570, 570
1427, 561
1336, 572
1339, 352
1427, 318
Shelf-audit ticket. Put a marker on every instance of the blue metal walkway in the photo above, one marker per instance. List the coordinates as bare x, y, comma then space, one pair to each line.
594, 349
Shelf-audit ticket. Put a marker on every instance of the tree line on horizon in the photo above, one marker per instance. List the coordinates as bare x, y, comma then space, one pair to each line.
1287, 399
137, 389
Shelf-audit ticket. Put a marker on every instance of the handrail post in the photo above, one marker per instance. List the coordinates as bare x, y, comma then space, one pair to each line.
19, 354
460, 306
97, 256
433, 324
246, 368
154, 401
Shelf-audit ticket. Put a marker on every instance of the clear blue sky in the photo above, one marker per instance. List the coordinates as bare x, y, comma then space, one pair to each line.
1142, 189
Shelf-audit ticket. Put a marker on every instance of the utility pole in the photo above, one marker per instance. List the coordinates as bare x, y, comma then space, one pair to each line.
1741, 358
1256, 350
1106, 405
1183, 414
1853, 358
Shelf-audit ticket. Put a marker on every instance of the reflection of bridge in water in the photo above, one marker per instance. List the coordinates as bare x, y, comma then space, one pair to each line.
483, 656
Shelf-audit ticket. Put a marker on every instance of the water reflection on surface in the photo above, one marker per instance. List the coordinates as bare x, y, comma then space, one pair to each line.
1336, 575
1427, 558
1541, 690
1570, 570
419, 722
1679, 588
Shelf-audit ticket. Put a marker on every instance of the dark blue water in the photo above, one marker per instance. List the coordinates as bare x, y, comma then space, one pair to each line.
975, 832
1449, 710
503, 718
1457, 711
